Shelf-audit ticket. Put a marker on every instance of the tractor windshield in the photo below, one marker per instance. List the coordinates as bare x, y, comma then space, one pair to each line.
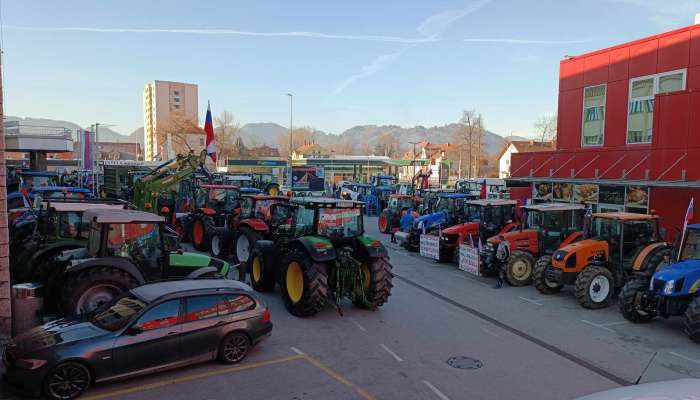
449, 205
690, 248
405, 203
364, 190
262, 208
385, 181
140, 242
474, 212
604, 228
228, 198
499, 215
339, 222
71, 226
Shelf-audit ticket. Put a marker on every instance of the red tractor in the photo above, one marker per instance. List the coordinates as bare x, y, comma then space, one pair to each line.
397, 206
253, 223
485, 218
210, 223
547, 227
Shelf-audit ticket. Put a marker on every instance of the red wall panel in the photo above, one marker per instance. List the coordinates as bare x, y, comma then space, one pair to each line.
611, 164
571, 74
695, 47
595, 69
665, 165
569, 123
643, 58
674, 52
586, 163
693, 81
619, 64
671, 117
671, 205
616, 114
694, 121
636, 163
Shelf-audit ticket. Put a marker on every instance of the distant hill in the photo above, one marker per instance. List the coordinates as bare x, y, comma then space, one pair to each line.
262, 133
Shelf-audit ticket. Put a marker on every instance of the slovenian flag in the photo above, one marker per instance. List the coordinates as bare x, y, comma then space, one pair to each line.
686, 221
209, 129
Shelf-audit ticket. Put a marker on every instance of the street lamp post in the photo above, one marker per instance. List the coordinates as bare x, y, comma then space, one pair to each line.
414, 160
289, 171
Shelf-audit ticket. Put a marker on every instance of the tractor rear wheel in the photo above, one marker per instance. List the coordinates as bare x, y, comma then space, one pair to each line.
304, 284
630, 299
691, 320
539, 277
377, 282
243, 242
201, 226
262, 275
384, 222
88, 290
219, 242
519, 268
594, 287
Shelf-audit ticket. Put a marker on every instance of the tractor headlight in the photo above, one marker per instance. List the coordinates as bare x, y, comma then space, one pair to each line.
668, 288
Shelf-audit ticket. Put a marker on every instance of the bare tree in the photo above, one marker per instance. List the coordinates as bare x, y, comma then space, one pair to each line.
387, 145
469, 139
300, 137
546, 128
226, 131
179, 129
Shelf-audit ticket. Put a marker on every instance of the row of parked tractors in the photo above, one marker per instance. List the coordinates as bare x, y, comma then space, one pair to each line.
85, 252
603, 256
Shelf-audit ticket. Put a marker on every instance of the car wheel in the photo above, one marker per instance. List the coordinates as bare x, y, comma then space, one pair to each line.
234, 348
67, 381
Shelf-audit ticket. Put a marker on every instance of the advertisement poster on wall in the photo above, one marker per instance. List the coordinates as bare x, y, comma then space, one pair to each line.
542, 191
308, 178
586, 193
611, 195
562, 192
637, 197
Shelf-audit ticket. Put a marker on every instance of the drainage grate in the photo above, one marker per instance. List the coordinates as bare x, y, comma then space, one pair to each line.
464, 363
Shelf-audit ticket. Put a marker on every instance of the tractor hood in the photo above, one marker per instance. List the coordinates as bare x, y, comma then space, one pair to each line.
592, 244
512, 236
430, 220
195, 260
465, 228
687, 271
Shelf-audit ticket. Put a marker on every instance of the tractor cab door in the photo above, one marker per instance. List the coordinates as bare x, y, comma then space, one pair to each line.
141, 243
553, 231
635, 236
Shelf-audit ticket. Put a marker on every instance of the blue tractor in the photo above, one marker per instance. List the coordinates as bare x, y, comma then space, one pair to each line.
671, 290
384, 186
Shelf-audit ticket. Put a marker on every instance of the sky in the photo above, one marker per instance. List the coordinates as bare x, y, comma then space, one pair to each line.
394, 62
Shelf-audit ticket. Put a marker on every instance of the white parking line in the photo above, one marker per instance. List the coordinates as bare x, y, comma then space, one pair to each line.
614, 323
388, 350
597, 325
357, 324
494, 334
530, 300
294, 349
435, 390
684, 357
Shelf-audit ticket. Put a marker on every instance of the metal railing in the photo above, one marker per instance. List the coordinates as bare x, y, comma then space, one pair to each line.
13, 128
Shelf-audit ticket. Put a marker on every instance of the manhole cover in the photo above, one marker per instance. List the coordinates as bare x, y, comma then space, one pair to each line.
464, 363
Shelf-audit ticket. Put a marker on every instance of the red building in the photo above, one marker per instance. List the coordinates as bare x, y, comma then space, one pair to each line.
628, 130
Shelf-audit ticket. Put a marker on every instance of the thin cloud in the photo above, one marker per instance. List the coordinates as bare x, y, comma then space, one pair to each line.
301, 34
523, 41
376, 65
436, 24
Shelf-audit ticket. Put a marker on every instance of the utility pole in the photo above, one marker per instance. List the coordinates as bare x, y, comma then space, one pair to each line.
414, 159
291, 145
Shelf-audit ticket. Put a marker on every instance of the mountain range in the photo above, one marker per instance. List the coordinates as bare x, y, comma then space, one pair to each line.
268, 133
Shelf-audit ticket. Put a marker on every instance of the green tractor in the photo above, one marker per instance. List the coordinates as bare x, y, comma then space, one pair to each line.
319, 253
125, 249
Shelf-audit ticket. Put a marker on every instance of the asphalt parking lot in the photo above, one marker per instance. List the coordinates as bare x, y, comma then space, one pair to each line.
519, 344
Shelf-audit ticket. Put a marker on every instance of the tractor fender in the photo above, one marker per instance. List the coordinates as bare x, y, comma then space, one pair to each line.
199, 272
508, 227
372, 247
646, 252
110, 262
53, 249
255, 224
319, 249
463, 230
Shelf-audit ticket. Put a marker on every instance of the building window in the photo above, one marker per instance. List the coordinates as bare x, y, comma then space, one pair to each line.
201, 141
176, 92
176, 106
176, 99
593, 115
640, 114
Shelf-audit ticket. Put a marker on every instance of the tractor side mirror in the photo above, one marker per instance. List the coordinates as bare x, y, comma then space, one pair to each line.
172, 241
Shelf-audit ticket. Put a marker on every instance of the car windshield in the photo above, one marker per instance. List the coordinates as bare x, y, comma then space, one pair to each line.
116, 315
339, 222
691, 248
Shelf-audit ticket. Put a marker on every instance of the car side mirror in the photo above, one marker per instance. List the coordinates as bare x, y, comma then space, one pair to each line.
134, 330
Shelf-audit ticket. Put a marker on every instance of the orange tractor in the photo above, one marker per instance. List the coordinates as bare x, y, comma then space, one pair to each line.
546, 227
616, 245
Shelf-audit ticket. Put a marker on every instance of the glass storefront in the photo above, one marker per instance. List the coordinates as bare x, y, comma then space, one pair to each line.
601, 198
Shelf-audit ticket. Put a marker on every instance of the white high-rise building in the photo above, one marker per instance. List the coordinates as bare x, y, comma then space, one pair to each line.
162, 101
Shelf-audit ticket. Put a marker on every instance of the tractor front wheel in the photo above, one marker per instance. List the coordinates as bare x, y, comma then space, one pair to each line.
90, 289
243, 242
594, 287
519, 268
201, 226
630, 301
304, 284
218, 242
691, 320
376, 282
262, 275
539, 277
384, 222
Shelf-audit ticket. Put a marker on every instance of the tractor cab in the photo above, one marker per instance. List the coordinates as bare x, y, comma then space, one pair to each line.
336, 220
625, 234
221, 198
492, 215
397, 206
553, 222
453, 205
405, 189
430, 198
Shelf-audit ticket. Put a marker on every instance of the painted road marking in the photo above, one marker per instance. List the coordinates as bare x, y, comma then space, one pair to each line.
435, 390
388, 350
597, 325
362, 392
615, 323
494, 334
530, 301
685, 358
357, 324
168, 382
294, 349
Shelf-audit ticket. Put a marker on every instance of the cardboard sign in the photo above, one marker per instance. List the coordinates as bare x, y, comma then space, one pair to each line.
469, 259
430, 246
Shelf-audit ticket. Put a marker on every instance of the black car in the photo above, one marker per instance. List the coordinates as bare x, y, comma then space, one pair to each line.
147, 329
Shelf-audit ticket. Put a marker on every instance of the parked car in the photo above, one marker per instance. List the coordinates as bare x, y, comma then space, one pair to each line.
147, 329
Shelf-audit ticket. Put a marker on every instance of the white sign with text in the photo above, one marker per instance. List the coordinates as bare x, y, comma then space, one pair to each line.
430, 246
469, 259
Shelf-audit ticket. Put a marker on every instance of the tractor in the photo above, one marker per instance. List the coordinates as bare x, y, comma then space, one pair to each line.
615, 247
430, 198
547, 226
669, 290
320, 254
484, 219
398, 205
125, 249
252, 223
383, 187
210, 222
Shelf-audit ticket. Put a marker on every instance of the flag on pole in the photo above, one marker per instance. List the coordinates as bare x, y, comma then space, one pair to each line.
686, 221
209, 129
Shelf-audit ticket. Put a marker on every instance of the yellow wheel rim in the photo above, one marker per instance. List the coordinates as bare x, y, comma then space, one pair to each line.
367, 277
295, 281
274, 191
257, 269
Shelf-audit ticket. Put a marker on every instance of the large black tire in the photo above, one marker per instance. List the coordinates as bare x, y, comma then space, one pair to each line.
309, 298
629, 301
519, 268
243, 233
377, 283
658, 260
262, 275
76, 373
219, 242
89, 289
200, 241
539, 278
691, 320
234, 347
384, 221
594, 287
